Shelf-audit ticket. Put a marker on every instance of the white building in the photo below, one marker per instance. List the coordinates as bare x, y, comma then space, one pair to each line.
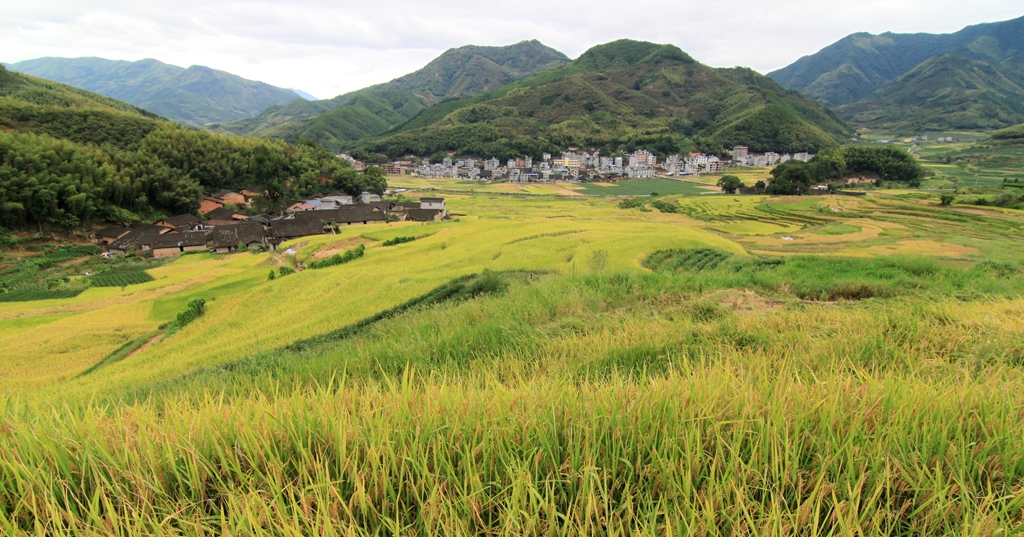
640, 171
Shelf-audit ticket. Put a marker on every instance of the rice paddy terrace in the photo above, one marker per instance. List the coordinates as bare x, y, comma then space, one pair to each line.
544, 363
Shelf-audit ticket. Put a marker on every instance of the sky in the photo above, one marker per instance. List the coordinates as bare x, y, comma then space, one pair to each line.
327, 48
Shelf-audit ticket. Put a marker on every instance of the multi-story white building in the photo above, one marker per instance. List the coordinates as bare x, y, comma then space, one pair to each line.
640, 171
491, 165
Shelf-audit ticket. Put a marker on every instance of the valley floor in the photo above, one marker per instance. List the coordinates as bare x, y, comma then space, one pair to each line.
544, 363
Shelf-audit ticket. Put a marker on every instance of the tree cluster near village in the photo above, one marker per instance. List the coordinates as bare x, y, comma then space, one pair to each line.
886, 163
70, 159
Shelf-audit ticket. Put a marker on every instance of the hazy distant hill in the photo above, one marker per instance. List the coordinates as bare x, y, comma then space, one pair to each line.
860, 63
944, 92
194, 96
622, 94
459, 72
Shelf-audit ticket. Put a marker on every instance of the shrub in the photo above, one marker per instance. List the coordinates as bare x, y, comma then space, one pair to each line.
664, 206
947, 199
194, 310
340, 259
631, 203
398, 240
271, 276
286, 271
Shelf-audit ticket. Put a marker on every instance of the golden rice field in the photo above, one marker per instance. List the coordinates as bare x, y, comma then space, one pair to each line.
851, 367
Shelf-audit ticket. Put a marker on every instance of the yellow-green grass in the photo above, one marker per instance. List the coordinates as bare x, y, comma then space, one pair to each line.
565, 233
609, 403
247, 313
595, 397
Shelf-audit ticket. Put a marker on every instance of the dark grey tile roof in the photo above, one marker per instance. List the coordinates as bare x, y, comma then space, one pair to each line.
174, 240
422, 215
182, 220
228, 236
290, 228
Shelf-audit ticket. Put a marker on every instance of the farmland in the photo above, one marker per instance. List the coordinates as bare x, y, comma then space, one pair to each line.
542, 364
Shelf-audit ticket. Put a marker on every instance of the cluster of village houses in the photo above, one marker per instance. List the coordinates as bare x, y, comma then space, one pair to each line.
576, 166
222, 227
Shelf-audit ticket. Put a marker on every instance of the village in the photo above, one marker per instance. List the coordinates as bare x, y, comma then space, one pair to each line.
576, 166
223, 227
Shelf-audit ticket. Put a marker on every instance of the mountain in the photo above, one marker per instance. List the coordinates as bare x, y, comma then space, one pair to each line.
861, 63
471, 70
195, 96
70, 158
43, 107
946, 92
343, 120
303, 94
624, 94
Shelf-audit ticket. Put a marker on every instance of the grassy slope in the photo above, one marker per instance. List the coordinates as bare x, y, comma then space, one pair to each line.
628, 89
599, 395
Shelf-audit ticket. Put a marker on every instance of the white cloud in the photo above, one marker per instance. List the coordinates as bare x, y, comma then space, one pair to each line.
328, 47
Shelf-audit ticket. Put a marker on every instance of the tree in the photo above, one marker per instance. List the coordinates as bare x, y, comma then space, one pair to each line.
946, 199
730, 183
793, 178
759, 184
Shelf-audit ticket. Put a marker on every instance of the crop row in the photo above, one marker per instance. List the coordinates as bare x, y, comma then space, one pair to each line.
694, 260
38, 294
120, 278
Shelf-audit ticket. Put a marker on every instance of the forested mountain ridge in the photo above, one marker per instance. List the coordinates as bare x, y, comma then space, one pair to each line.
623, 94
345, 119
70, 159
946, 92
861, 63
193, 96
471, 70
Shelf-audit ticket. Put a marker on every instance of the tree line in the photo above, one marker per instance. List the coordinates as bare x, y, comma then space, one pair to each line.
57, 182
887, 163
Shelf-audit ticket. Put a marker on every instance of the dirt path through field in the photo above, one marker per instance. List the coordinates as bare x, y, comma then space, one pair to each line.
156, 339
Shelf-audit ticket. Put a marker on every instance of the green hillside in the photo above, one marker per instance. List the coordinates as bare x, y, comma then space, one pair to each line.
946, 92
862, 63
70, 159
339, 122
195, 96
624, 94
361, 114
1014, 133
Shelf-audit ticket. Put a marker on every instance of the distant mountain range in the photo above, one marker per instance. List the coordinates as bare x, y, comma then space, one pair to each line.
971, 79
343, 120
624, 94
195, 96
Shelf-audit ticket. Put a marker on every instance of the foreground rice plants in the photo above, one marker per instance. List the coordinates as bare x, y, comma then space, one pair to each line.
541, 367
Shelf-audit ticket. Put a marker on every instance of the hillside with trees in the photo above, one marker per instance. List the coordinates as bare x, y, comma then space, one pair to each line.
971, 79
340, 122
193, 96
944, 93
861, 63
621, 95
70, 159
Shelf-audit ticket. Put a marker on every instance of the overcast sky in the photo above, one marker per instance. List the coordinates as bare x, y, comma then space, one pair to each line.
329, 47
